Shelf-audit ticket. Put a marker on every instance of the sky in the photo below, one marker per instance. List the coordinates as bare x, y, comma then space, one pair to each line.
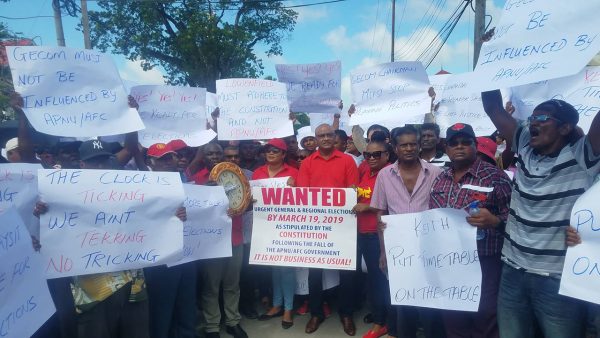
357, 32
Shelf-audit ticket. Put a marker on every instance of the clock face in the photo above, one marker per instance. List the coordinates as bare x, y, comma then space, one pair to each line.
233, 188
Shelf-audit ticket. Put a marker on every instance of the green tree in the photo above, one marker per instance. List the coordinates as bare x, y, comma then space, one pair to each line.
195, 41
6, 86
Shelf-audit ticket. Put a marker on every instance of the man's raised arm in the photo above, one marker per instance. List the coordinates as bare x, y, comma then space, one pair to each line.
494, 108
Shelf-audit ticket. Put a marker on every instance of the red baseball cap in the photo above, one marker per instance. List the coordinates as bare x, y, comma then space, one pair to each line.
158, 150
487, 147
277, 143
177, 144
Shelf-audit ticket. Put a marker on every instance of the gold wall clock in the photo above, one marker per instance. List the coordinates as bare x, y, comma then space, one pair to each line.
235, 183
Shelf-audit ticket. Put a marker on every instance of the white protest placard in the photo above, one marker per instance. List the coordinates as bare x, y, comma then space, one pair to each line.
207, 231
460, 102
314, 87
171, 113
109, 220
582, 263
304, 227
389, 92
582, 90
538, 40
432, 260
25, 302
329, 279
71, 92
212, 103
253, 109
18, 189
274, 182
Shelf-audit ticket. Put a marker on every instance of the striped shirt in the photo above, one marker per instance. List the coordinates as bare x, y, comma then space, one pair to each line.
544, 193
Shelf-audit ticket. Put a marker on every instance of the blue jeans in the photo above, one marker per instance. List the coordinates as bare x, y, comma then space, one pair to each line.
378, 287
525, 297
284, 287
172, 300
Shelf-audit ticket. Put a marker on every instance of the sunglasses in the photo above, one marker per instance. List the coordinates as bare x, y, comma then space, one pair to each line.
376, 154
273, 151
541, 118
464, 142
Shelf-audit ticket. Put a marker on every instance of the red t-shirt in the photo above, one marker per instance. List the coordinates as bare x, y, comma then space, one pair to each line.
367, 221
200, 177
363, 169
262, 172
338, 171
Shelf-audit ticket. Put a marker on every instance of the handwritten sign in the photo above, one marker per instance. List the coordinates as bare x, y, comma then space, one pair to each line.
207, 231
432, 260
18, 189
304, 227
71, 92
276, 182
312, 88
582, 90
539, 40
109, 220
389, 92
460, 101
252, 109
25, 302
171, 113
581, 271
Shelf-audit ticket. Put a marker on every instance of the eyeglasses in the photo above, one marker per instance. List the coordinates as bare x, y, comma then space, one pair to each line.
541, 118
273, 151
376, 154
466, 142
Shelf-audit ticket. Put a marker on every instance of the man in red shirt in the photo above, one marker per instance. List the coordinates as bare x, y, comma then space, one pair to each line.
329, 167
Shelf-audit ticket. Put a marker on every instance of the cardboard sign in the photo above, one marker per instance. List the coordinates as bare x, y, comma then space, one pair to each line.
312, 88
582, 90
109, 220
71, 92
207, 231
171, 113
538, 40
304, 227
252, 109
390, 92
18, 189
581, 270
25, 302
432, 260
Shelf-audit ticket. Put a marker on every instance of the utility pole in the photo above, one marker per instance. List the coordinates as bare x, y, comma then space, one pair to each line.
393, 27
85, 22
479, 29
60, 34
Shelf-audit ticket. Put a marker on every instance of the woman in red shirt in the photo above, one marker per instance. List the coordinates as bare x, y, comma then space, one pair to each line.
377, 157
284, 278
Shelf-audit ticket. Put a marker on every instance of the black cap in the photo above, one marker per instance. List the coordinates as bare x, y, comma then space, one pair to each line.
460, 128
560, 110
93, 148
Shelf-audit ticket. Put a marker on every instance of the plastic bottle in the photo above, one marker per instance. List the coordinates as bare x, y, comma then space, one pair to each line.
474, 211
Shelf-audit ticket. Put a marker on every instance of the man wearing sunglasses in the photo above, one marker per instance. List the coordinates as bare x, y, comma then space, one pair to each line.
555, 166
468, 181
329, 167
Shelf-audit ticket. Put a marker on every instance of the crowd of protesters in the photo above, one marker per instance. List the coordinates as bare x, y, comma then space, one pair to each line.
533, 172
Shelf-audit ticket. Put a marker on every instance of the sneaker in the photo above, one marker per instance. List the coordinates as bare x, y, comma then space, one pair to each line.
326, 310
303, 309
